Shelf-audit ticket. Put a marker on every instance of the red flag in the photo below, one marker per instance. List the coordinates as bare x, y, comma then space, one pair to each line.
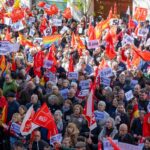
41, 4
38, 63
145, 55
91, 32
110, 50
115, 9
8, 36
89, 109
146, 125
43, 25
128, 63
110, 15
67, 13
73, 40
131, 24
99, 145
17, 14
44, 118
79, 42
71, 67
27, 125
114, 145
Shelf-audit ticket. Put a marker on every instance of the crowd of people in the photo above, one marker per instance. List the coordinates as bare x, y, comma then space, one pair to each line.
121, 117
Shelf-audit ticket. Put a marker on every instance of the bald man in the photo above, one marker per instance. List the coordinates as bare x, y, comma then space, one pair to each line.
123, 135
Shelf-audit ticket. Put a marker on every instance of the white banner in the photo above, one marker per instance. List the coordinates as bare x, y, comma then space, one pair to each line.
57, 22
92, 44
142, 4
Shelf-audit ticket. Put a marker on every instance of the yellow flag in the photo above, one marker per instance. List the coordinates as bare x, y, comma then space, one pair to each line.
16, 4
2, 62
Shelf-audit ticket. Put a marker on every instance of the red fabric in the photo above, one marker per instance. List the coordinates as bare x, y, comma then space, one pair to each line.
44, 118
3, 102
91, 33
73, 40
131, 24
110, 50
43, 25
71, 67
128, 63
17, 14
123, 56
145, 55
67, 13
99, 145
41, 4
110, 15
38, 63
52, 10
115, 9
146, 125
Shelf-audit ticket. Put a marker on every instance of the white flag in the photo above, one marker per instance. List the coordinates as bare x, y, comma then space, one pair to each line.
27, 125
128, 11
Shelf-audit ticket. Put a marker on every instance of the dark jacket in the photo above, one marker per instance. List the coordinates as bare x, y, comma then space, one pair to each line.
39, 145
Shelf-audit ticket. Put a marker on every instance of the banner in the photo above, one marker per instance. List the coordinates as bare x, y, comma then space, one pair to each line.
7, 47
57, 22
125, 146
107, 145
142, 4
93, 44
17, 26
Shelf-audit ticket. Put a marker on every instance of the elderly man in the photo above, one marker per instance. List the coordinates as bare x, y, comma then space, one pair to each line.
123, 135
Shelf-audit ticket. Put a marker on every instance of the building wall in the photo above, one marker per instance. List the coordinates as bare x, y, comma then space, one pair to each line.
102, 7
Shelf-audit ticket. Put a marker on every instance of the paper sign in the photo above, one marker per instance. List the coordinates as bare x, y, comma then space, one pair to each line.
17, 26
15, 128
114, 22
64, 29
31, 33
80, 30
107, 145
92, 44
84, 84
99, 115
125, 146
57, 22
127, 39
105, 81
7, 47
83, 93
7, 21
31, 19
129, 95
143, 32
48, 64
106, 72
73, 75
64, 93
140, 13
48, 31
56, 138
52, 77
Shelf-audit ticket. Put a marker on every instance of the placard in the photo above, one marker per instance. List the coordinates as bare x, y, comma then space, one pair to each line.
105, 81
7, 47
143, 32
106, 72
64, 29
17, 26
93, 44
84, 84
32, 32
140, 13
48, 31
127, 39
107, 145
48, 64
133, 83
114, 22
64, 93
99, 115
83, 93
32, 19
129, 95
55, 138
52, 77
15, 128
57, 22
73, 75
7, 21
125, 146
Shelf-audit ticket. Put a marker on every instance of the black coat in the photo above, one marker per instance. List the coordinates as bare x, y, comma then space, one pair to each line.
39, 145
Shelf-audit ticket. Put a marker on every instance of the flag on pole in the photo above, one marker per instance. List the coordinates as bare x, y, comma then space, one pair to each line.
128, 11
27, 125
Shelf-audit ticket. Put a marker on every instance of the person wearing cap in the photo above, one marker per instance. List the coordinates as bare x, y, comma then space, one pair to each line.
13, 105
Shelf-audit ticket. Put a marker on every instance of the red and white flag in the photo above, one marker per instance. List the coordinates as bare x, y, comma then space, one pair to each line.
89, 110
27, 125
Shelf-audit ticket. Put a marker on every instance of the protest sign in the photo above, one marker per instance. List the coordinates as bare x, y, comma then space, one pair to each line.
125, 146
114, 22
99, 115
106, 72
105, 81
32, 19
15, 128
84, 84
140, 13
133, 83
52, 77
129, 95
83, 93
17, 26
56, 138
7, 47
127, 39
48, 31
92, 44
107, 145
32, 32
39, 40
64, 29
57, 22
73, 75
64, 93
143, 32
48, 64
7, 21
